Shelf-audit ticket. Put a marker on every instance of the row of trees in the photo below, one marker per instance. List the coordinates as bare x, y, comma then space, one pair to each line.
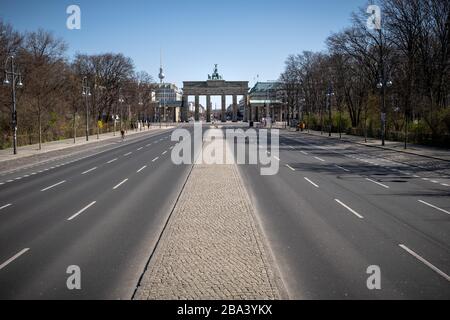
407, 59
51, 105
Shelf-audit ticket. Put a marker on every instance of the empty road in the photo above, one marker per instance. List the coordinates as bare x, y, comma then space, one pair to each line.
334, 209
103, 212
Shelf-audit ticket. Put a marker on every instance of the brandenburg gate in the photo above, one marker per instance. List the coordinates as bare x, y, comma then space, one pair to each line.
215, 86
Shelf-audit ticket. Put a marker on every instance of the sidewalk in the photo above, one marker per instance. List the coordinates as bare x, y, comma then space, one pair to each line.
30, 150
212, 247
419, 150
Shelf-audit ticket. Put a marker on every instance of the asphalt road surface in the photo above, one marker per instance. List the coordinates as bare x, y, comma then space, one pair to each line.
331, 212
103, 212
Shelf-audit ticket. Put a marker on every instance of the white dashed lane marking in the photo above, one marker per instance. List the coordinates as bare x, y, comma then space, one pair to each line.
141, 169
4, 264
54, 185
378, 183
314, 184
82, 210
425, 262
90, 170
5, 206
342, 168
434, 207
290, 167
119, 184
349, 209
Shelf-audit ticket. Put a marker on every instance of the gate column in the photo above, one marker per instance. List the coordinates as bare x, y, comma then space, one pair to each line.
224, 108
234, 108
197, 108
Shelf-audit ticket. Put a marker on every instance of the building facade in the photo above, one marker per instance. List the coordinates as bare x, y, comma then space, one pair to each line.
267, 101
168, 100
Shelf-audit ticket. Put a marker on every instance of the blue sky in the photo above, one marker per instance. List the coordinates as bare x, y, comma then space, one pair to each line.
245, 37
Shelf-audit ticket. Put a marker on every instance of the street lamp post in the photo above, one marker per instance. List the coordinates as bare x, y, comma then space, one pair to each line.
382, 85
330, 94
86, 93
98, 88
141, 119
121, 101
15, 76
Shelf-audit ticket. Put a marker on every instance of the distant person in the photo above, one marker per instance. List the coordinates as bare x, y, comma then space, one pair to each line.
122, 134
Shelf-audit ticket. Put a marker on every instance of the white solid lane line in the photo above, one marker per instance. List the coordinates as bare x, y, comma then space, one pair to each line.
349, 209
315, 185
425, 262
87, 171
52, 186
155, 159
4, 264
120, 184
82, 210
127, 154
111, 161
141, 169
320, 159
341, 168
378, 183
6, 206
290, 167
433, 206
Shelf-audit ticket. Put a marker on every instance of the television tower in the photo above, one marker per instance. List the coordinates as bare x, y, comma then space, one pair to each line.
161, 75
